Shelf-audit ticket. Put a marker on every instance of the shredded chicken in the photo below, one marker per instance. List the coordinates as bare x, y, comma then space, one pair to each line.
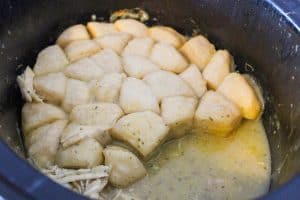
25, 82
89, 182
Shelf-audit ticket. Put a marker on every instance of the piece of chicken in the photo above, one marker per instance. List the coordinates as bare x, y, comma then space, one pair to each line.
80, 49
84, 69
85, 154
131, 26
164, 84
35, 115
168, 58
167, 35
51, 87
136, 96
217, 115
218, 68
115, 41
193, 77
126, 167
99, 29
75, 133
236, 88
178, 113
73, 33
108, 60
49, 60
25, 82
199, 51
144, 131
139, 46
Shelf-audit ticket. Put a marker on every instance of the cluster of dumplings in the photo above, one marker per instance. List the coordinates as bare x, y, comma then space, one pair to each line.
130, 83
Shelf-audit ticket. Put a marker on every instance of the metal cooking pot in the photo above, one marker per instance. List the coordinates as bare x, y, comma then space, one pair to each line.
262, 35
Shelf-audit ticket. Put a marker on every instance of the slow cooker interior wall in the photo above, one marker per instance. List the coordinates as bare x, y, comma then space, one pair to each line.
254, 32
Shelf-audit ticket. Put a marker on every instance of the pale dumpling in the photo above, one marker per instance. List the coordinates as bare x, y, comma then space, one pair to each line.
218, 68
73, 33
115, 41
199, 51
108, 61
167, 35
136, 96
138, 66
217, 115
139, 46
80, 49
168, 58
50, 59
133, 27
126, 167
99, 29
193, 77
108, 88
144, 131
77, 92
43, 142
236, 88
51, 87
84, 69
164, 84
38, 114
100, 114
178, 113
85, 154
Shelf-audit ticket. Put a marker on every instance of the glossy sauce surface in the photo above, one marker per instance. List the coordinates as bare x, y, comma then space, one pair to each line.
200, 166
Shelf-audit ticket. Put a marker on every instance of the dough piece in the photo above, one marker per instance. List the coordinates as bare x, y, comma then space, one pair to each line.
73, 33
167, 35
101, 114
164, 84
139, 46
193, 77
126, 167
138, 66
42, 143
84, 69
134, 27
218, 68
217, 115
178, 113
199, 51
108, 88
50, 59
85, 154
77, 93
168, 58
144, 131
99, 29
236, 88
108, 60
136, 96
38, 114
114, 41
51, 86
81, 49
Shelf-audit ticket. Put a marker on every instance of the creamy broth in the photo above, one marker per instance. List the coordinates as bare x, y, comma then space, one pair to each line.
201, 166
